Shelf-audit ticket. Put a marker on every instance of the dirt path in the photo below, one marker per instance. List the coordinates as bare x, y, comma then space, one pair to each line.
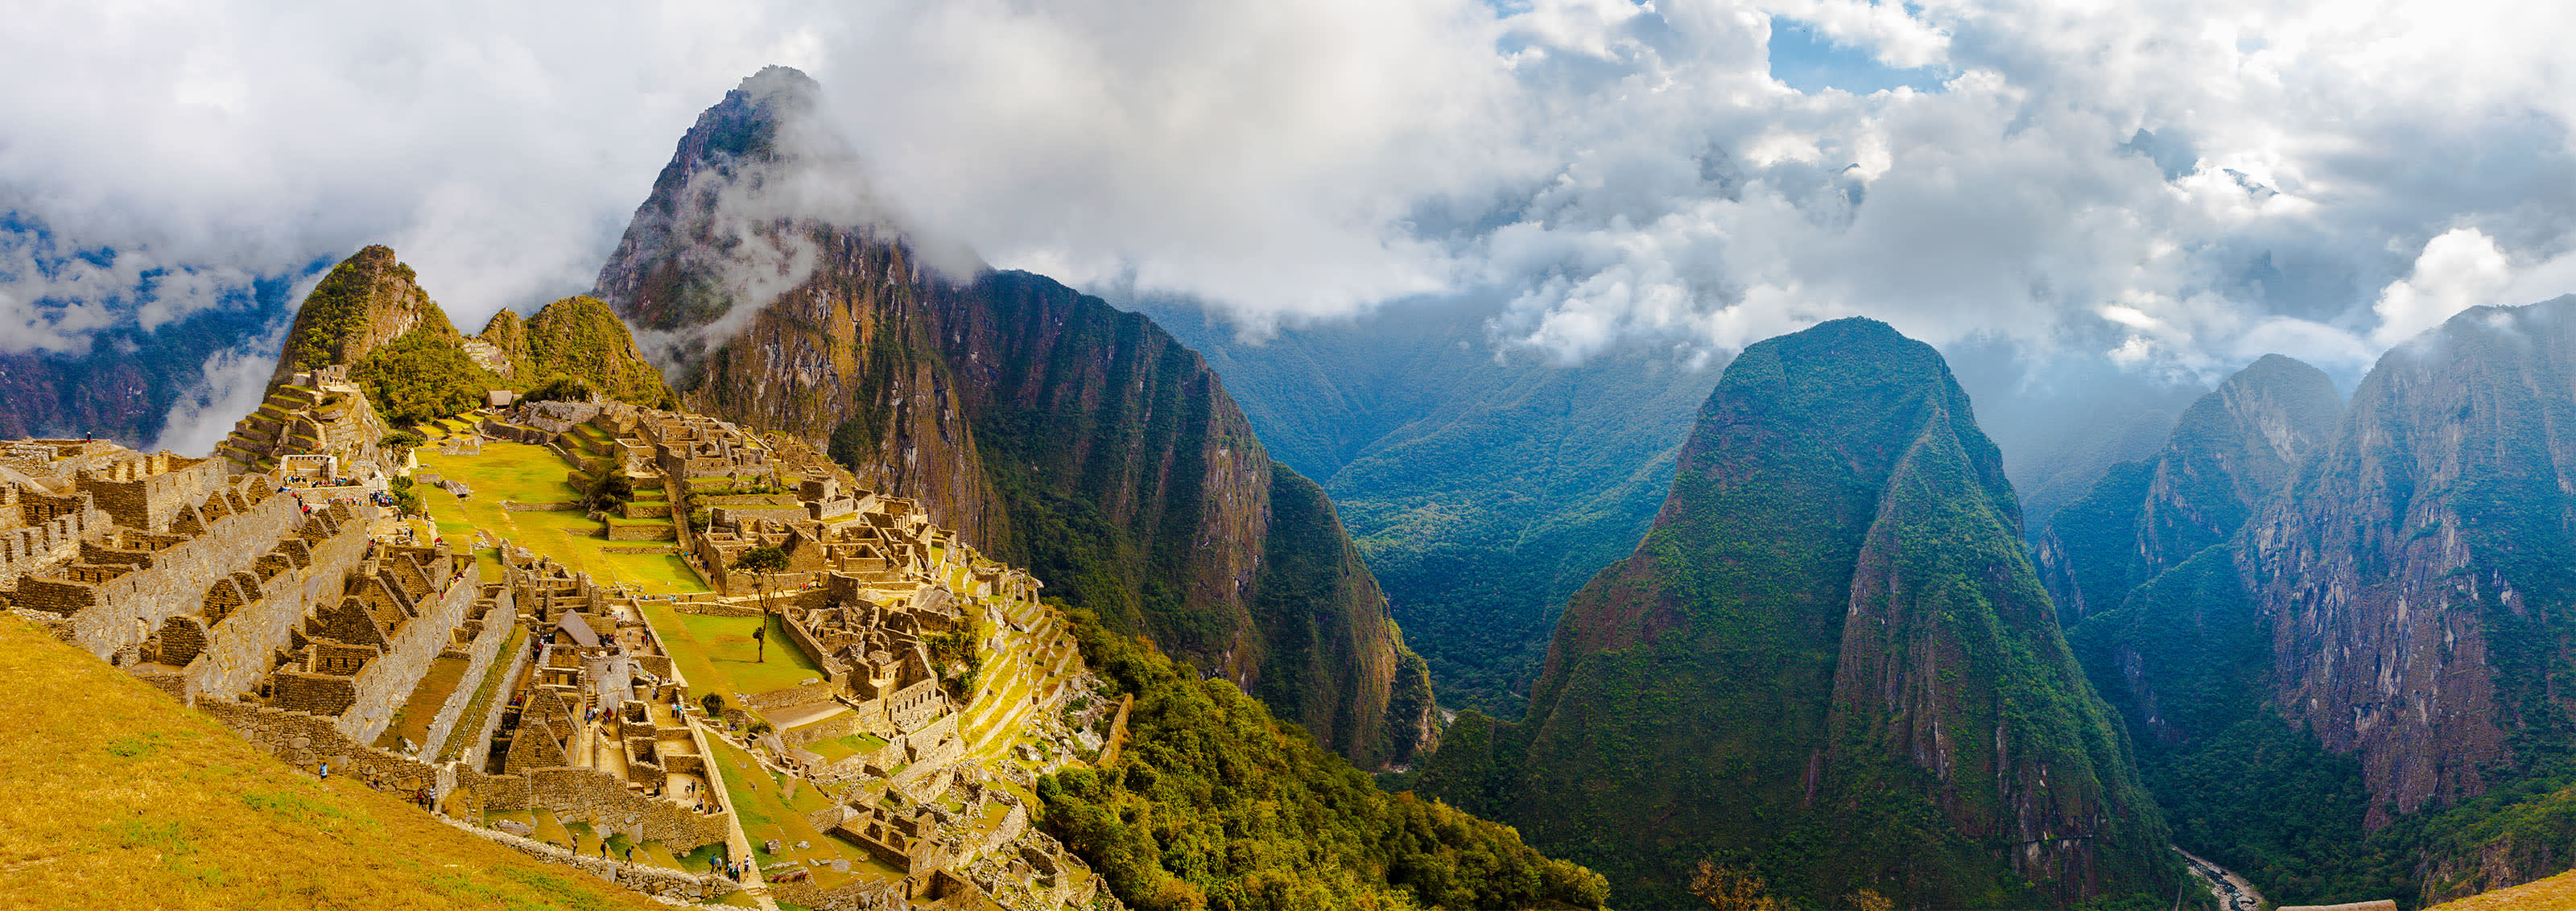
2232, 891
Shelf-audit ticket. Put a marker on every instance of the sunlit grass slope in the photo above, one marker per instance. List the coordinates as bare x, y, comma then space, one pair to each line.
118, 797
2557, 893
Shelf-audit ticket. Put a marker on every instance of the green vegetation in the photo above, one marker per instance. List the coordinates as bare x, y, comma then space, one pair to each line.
577, 342
118, 791
2240, 787
519, 472
1213, 804
1838, 531
560, 388
421, 377
340, 313
959, 656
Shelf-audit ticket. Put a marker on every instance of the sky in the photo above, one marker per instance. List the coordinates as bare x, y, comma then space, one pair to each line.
2168, 189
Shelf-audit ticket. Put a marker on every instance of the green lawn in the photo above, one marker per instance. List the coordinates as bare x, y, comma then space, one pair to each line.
507, 471
533, 474
717, 654
765, 814
839, 748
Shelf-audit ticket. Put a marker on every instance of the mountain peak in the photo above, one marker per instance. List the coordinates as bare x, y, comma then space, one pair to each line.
758, 194
1838, 568
367, 300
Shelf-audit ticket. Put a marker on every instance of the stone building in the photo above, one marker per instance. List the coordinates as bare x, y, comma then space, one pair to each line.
318, 412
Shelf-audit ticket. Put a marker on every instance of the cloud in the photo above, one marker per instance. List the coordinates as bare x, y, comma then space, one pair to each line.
2459, 269
2224, 174
233, 384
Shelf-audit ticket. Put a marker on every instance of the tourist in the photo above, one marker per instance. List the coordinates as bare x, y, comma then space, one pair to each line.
326, 771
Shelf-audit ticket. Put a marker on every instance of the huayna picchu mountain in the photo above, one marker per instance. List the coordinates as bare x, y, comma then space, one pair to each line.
1046, 426
1829, 663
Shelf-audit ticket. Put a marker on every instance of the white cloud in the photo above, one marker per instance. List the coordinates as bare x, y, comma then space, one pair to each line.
2459, 269
1618, 171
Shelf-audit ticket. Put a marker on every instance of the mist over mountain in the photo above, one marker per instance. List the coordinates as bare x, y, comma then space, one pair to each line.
1484, 487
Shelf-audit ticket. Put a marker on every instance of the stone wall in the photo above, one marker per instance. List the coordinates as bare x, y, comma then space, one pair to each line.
813, 650
790, 697
124, 610
852, 895
48, 541
841, 725
498, 619
304, 740
669, 884
599, 798
1117, 733
650, 531
240, 644
386, 682
148, 492
478, 751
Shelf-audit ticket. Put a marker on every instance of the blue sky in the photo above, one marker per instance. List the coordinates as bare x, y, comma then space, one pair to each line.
1809, 61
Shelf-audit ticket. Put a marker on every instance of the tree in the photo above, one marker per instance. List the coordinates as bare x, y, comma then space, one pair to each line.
765, 559
1727, 888
560, 388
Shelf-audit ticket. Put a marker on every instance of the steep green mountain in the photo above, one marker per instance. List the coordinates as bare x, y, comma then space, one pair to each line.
2230, 450
580, 338
1483, 489
1829, 662
1048, 428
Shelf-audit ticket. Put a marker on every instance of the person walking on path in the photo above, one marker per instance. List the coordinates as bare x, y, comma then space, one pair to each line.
325, 770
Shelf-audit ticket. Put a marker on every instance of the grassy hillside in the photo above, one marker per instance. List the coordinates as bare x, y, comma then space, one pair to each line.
119, 797
2557, 893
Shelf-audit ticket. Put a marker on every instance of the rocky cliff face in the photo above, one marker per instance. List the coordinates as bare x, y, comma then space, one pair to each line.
1830, 659
2417, 573
1047, 427
2231, 449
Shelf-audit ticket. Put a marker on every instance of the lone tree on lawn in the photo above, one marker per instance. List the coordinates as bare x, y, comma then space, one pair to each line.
764, 560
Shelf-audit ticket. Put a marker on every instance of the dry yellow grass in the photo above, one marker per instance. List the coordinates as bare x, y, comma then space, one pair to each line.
118, 797
2557, 893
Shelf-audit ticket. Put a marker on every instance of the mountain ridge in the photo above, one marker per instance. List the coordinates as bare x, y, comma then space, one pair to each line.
1046, 426
1832, 593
